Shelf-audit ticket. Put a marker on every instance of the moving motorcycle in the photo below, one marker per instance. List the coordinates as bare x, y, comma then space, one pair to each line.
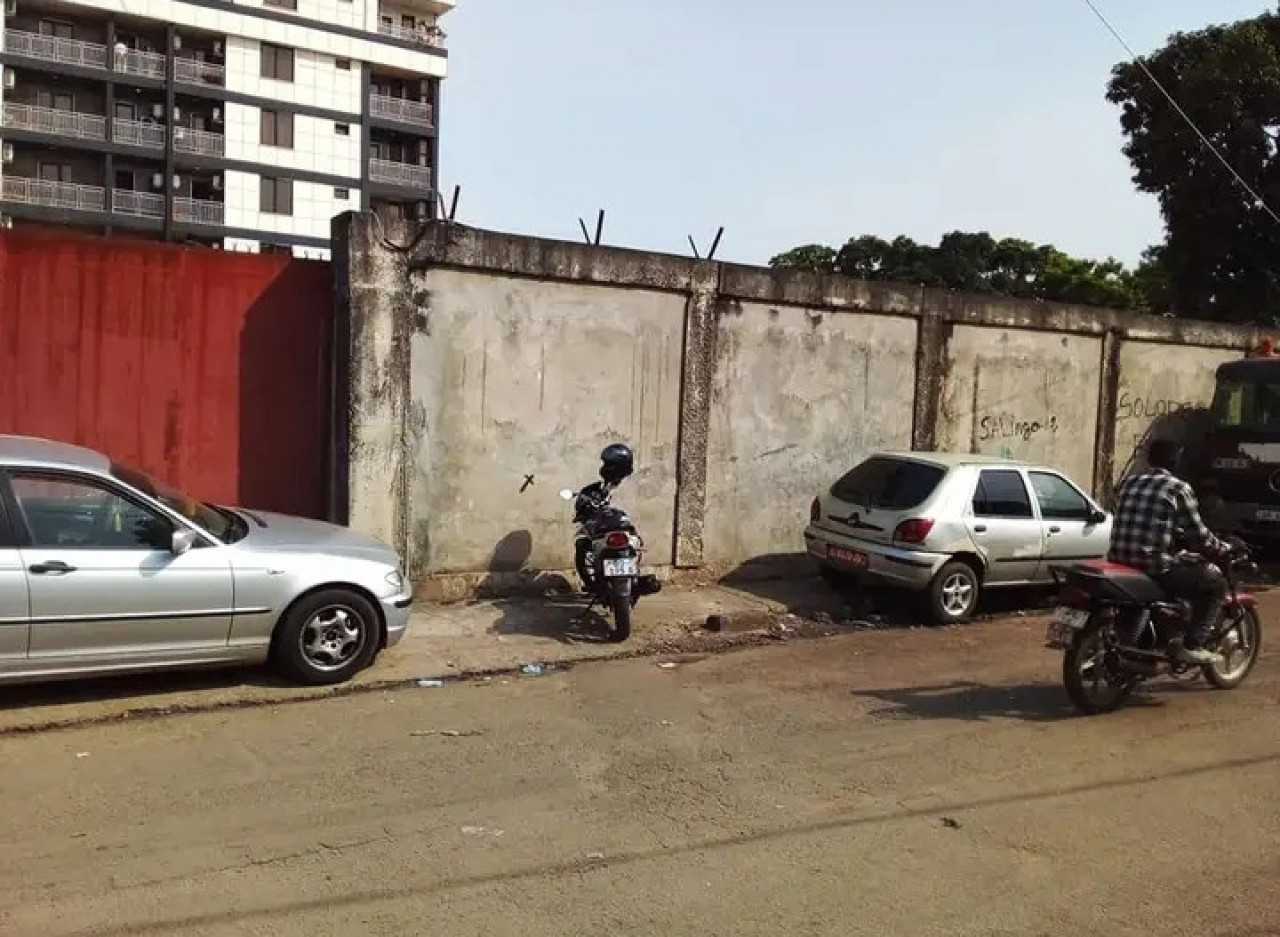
607, 548
1118, 628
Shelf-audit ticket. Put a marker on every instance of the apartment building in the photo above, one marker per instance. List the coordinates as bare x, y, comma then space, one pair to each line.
246, 124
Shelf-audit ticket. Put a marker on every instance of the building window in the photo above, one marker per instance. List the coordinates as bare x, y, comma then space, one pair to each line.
276, 196
282, 4
277, 62
277, 129
341, 193
54, 172
58, 29
342, 130
55, 100
344, 64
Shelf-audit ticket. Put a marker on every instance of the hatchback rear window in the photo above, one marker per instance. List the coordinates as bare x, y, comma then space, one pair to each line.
891, 484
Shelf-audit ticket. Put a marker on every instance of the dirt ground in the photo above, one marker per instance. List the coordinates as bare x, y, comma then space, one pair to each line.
883, 783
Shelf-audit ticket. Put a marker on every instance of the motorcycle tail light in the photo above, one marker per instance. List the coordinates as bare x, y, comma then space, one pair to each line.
1074, 598
913, 531
617, 540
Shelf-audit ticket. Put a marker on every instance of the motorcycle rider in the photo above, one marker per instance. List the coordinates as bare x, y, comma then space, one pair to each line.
1149, 507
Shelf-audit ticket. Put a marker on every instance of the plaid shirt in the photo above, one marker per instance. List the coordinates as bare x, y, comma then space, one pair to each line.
1148, 508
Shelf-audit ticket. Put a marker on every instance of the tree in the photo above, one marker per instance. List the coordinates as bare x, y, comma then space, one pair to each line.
978, 263
1221, 257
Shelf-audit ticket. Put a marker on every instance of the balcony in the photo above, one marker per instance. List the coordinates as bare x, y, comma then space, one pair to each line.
53, 194
53, 49
146, 64
196, 72
198, 211
138, 133
198, 142
138, 204
401, 109
405, 174
56, 122
426, 36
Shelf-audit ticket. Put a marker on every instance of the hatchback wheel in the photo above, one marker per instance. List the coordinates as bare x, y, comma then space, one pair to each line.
326, 637
953, 594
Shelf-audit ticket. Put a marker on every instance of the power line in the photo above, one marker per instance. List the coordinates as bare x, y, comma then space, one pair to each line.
1138, 60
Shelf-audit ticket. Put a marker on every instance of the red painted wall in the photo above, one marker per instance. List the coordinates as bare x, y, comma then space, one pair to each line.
208, 369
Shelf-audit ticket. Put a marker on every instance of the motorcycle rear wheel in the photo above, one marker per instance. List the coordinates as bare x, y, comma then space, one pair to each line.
1089, 682
620, 602
1239, 662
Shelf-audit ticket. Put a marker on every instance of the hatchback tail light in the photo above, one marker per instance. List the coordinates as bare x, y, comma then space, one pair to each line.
815, 510
617, 540
913, 531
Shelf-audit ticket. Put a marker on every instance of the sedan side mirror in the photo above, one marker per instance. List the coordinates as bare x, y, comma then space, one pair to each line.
183, 540
1097, 517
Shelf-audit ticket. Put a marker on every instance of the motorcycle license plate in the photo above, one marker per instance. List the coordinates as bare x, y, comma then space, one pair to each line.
625, 566
1066, 622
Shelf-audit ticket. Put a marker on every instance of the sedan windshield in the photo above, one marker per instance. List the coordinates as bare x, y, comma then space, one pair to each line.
216, 522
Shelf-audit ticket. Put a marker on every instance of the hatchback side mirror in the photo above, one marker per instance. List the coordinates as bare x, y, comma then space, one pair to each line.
183, 540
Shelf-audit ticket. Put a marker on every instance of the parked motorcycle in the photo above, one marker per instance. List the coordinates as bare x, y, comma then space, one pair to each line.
607, 547
1118, 628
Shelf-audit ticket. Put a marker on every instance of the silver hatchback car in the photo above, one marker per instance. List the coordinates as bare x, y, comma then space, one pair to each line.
950, 525
104, 570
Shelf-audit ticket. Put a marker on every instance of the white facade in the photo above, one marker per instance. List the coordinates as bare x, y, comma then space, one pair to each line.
289, 147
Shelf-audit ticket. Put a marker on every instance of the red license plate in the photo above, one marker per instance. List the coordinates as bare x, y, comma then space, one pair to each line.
847, 557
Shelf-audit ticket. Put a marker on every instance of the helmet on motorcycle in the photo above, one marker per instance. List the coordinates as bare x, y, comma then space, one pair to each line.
616, 463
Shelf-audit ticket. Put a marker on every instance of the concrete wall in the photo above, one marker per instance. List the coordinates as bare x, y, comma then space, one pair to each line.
1022, 395
1155, 395
516, 386
796, 391
485, 371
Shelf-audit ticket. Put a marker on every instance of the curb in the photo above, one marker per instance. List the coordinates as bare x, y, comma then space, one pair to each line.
695, 641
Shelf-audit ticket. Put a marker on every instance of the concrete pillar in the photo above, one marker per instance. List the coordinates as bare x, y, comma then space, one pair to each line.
933, 335
697, 371
373, 318
1104, 446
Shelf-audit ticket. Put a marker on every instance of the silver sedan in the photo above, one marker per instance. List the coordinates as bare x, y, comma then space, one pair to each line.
105, 570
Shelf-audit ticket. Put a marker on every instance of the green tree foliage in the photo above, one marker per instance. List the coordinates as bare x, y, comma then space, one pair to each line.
1221, 258
976, 263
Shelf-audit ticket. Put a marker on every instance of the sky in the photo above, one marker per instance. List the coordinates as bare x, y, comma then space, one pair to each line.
800, 121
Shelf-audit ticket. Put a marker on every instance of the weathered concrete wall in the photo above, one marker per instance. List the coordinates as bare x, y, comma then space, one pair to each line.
1022, 395
1161, 391
517, 385
480, 360
798, 393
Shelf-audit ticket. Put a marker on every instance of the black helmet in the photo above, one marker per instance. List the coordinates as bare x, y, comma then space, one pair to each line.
616, 463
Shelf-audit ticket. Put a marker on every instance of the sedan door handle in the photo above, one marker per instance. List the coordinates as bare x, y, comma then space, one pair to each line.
51, 567
979, 528
1055, 530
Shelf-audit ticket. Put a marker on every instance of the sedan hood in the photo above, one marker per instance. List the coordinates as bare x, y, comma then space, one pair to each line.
273, 532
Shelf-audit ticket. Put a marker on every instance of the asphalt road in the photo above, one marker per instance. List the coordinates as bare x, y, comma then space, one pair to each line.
917, 783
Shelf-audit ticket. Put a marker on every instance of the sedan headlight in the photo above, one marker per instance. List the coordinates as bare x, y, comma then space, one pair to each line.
395, 580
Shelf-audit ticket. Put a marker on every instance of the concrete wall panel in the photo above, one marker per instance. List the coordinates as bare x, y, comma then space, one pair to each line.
1163, 391
1023, 395
799, 397
514, 378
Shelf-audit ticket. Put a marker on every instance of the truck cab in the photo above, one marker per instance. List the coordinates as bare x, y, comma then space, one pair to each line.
1237, 473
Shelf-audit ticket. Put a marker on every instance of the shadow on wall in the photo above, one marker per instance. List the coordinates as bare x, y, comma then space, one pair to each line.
508, 585
1188, 426
284, 392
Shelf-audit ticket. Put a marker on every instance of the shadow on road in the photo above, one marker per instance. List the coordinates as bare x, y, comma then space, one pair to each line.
977, 702
133, 687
